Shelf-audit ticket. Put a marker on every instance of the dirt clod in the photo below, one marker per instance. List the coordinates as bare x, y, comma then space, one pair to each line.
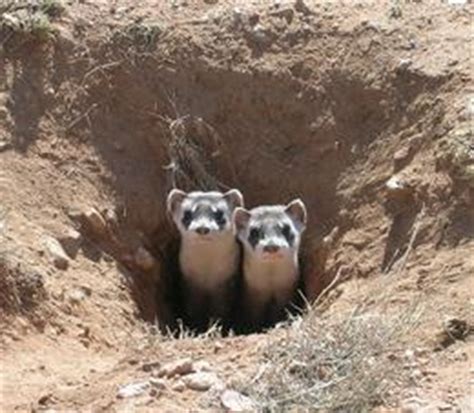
234, 401
71, 241
133, 389
109, 106
143, 259
201, 381
56, 252
176, 368
94, 221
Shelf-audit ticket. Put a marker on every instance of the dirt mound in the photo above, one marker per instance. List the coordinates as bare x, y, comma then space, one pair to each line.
359, 110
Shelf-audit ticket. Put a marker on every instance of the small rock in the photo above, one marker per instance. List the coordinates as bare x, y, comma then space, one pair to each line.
301, 7
457, 328
50, 92
178, 367
179, 386
470, 105
286, 13
158, 383
296, 367
453, 62
201, 365
79, 294
201, 381
211, 1
133, 389
236, 402
4, 145
143, 259
404, 64
56, 252
150, 366
457, 2
71, 241
396, 187
154, 393
401, 155
95, 221
453, 329
237, 17
110, 216
259, 34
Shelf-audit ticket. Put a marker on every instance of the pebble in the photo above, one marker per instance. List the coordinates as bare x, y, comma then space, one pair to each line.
133, 389
95, 221
401, 154
201, 381
150, 366
143, 259
79, 294
4, 145
236, 402
260, 35
301, 7
201, 365
56, 252
158, 383
397, 187
178, 367
404, 64
71, 241
179, 386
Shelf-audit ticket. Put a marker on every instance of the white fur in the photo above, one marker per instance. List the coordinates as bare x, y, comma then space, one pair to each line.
209, 263
265, 280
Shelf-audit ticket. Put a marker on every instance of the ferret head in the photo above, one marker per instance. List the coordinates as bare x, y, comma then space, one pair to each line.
271, 232
203, 215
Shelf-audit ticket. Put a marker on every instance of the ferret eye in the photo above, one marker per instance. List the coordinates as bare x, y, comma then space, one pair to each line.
288, 233
219, 217
254, 236
187, 217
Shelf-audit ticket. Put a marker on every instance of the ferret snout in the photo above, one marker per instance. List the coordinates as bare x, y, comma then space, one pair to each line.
271, 248
203, 226
202, 230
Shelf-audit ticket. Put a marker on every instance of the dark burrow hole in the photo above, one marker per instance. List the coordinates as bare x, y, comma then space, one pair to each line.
170, 299
272, 136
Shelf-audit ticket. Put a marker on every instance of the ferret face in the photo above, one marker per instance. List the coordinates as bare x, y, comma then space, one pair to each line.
272, 232
203, 216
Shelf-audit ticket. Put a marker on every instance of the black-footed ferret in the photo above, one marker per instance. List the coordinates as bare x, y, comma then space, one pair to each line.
209, 255
271, 237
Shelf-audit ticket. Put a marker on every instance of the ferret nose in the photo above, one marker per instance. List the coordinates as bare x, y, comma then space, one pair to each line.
202, 230
271, 248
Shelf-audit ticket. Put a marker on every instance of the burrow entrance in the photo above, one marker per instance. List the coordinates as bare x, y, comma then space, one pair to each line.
326, 135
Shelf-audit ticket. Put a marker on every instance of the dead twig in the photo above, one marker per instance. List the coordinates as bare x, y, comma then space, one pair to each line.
82, 116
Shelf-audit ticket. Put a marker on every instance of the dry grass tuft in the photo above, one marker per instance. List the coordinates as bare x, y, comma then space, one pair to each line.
336, 364
31, 20
196, 153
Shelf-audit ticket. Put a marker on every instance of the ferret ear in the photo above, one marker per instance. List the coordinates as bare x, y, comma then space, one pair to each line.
235, 198
174, 200
240, 218
297, 212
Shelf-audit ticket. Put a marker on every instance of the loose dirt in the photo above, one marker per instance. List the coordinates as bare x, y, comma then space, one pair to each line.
363, 109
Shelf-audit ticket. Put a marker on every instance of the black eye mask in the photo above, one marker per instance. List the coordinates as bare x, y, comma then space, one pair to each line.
187, 218
255, 234
220, 219
288, 234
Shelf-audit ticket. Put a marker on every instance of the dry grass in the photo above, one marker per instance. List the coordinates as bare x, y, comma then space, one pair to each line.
336, 364
195, 151
29, 19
